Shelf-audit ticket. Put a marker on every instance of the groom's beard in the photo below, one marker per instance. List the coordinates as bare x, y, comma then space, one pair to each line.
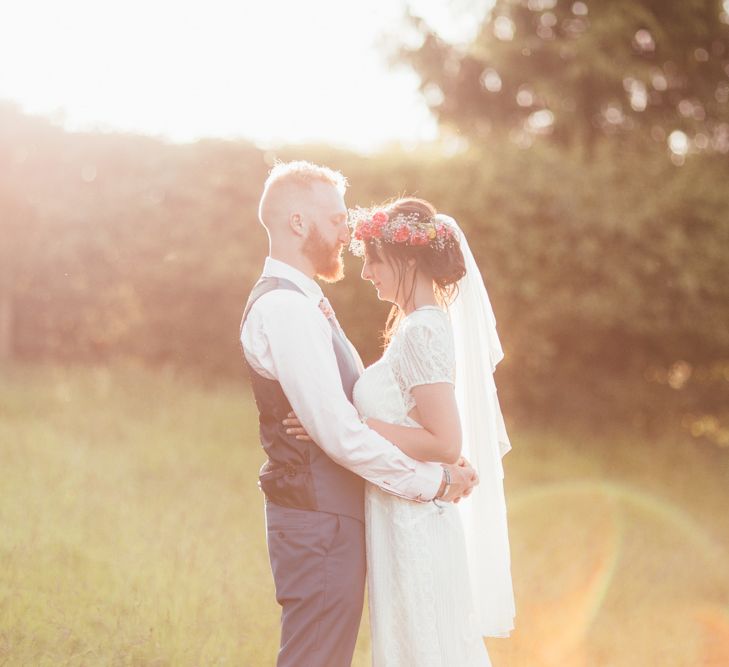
327, 259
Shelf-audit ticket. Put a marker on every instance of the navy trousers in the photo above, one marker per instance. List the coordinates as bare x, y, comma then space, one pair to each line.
318, 564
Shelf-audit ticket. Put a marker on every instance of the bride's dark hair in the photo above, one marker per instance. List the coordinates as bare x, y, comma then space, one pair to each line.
445, 266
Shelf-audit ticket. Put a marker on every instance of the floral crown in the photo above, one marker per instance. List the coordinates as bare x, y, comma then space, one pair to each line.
375, 225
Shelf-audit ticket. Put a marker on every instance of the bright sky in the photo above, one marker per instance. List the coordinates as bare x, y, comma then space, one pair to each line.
273, 71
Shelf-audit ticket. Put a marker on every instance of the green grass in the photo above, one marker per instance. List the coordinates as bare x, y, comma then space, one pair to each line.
131, 533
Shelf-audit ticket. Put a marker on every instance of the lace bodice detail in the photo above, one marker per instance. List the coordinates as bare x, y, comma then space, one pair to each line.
420, 352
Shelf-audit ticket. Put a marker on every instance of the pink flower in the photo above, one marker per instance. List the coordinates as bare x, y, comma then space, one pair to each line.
419, 238
378, 225
380, 217
365, 231
402, 233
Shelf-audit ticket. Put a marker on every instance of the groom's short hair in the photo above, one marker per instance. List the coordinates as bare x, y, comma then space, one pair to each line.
299, 173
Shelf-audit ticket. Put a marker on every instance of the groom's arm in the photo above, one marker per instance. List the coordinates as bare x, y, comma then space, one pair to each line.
296, 341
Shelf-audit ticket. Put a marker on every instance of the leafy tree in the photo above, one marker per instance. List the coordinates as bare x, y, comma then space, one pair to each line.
582, 70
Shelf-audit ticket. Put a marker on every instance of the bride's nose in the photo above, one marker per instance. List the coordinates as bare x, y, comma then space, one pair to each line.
366, 275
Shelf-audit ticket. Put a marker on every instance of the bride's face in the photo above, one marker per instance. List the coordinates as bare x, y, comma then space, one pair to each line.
384, 275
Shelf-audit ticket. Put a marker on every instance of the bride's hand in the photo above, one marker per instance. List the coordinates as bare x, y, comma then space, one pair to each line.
463, 478
294, 427
463, 462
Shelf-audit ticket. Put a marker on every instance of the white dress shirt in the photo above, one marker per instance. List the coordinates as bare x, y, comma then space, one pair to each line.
286, 337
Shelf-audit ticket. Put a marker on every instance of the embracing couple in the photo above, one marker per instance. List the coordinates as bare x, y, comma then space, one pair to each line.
366, 467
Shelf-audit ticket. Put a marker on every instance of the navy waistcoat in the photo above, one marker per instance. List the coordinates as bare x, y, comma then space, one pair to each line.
298, 473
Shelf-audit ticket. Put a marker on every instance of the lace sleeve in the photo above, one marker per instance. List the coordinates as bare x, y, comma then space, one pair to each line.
427, 352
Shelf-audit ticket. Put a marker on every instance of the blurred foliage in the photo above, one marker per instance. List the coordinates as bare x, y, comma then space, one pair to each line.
580, 70
140, 248
605, 260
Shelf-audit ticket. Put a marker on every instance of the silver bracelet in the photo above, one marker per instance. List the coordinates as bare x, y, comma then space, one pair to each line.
447, 476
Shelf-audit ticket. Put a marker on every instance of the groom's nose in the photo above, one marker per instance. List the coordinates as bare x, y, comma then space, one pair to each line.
344, 235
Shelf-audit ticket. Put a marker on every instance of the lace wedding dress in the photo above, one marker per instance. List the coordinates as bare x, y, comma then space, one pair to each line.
421, 608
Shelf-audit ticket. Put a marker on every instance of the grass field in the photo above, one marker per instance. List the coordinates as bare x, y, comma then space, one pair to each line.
131, 533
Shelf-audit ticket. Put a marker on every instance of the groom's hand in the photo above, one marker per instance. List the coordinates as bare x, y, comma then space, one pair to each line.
294, 427
463, 478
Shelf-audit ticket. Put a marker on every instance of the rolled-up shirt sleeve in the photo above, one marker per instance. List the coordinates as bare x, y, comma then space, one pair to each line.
299, 347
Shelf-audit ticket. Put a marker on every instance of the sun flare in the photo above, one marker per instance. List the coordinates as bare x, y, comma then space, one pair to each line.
274, 72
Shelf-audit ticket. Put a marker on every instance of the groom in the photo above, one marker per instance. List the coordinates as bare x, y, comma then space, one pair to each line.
299, 359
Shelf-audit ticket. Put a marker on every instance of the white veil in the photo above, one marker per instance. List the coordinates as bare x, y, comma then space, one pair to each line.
485, 442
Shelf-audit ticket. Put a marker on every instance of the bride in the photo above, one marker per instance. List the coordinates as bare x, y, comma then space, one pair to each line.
438, 573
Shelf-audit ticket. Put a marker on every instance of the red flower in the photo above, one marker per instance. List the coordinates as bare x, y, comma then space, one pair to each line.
366, 230
419, 238
401, 234
380, 217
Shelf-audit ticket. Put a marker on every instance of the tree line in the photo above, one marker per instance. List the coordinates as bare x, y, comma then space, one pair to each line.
608, 280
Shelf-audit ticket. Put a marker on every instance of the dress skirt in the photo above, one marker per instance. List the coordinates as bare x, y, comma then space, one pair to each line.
421, 608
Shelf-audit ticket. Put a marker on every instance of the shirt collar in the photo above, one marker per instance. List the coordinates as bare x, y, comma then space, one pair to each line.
275, 268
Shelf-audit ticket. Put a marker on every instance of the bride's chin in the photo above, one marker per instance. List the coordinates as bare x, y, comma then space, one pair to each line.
384, 299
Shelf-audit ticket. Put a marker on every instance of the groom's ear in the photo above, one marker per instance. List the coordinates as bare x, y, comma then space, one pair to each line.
296, 222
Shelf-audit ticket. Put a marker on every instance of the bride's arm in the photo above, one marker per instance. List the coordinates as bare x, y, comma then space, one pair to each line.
439, 438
